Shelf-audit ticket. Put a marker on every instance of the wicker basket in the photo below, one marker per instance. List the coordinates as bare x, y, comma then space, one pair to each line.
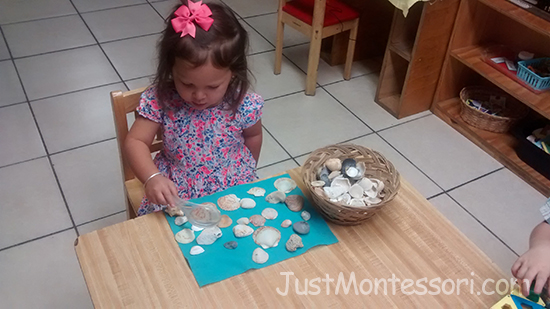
513, 111
377, 166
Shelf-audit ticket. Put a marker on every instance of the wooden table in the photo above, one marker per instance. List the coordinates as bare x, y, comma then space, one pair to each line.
137, 263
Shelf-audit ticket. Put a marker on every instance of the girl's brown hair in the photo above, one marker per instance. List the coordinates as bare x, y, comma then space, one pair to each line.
224, 44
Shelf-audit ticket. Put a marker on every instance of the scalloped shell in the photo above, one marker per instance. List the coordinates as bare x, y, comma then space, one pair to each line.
247, 203
285, 185
180, 220
229, 202
256, 191
267, 237
243, 221
225, 221
240, 230
269, 213
209, 236
257, 220
275, 197
259, 256
294, 202
286, 223
340, 182
185, 236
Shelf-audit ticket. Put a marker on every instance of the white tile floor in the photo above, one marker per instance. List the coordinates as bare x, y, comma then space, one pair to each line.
59, 168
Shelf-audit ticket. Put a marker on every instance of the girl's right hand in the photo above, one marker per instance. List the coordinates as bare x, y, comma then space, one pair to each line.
161, 191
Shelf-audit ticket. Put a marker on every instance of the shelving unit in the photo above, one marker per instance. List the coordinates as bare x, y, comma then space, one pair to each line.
414, 55
476, 29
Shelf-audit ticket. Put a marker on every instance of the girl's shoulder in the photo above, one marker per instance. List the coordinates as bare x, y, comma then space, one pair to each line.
251, 101
250, 110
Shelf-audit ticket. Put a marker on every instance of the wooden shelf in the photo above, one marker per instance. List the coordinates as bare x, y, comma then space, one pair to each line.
390, 102
520, 15
473, 58
499, 145
403, 49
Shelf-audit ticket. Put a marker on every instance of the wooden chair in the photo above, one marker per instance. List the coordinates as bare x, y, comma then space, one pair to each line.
317, 19
124, 103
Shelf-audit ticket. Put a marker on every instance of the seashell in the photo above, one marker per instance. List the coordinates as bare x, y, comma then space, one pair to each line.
260, 256
231, 245
366, 184
347, 163
361, 169
229, 202
209, 236
180, 220
325, 179
294, 242
378, 184
352, 172
371, 193
372, 200
225, 221
342, 182
334, 192
316, 183
356, 202
240, 230
267, 237
285, 185
275, 197
185, 236
294, 202
210, 204
248, 203
257, 220
269, 213
344, 198
196, 228
319, 192
196, 250
356, 191
334, 174
306, 215
256, 191
301, 227
323, 171
286, 223
334, 164
243, 221
174, 211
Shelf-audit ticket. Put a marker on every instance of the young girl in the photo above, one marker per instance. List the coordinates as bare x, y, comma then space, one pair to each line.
211, 126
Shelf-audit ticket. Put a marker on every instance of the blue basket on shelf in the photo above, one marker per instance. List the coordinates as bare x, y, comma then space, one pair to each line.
530, 77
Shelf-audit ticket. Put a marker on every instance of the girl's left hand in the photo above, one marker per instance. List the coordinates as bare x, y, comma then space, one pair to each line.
533, 265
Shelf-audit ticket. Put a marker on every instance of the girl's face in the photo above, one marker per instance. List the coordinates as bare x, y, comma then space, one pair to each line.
202, 87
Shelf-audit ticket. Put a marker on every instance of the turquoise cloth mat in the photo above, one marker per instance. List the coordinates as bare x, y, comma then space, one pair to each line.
217, 263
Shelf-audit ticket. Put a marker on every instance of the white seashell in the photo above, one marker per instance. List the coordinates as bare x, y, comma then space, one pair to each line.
248, 203
306, 215
174, 211
334, 192
257, 220
356, 202
371, 193
185, 236
334, 164
180, 220
379, 184
356, 191
229, 202
256, 191
269, 213
196, 250
344, 198
372, 200
209, 236
240, 230
196, 228
285, 185
243, 221
286, 223
341, 182
361, 169
275, 197
366, 184
260, 256
267, 237
334, 174
317, 183
352, 172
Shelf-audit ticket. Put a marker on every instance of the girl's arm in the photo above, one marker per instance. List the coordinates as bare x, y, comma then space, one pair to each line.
535, 263
253, 139
159, 190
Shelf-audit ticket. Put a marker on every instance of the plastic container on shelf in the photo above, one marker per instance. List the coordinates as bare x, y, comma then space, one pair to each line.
530, 77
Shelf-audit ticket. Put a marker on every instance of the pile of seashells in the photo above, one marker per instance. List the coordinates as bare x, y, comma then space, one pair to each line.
264, 236
344, 182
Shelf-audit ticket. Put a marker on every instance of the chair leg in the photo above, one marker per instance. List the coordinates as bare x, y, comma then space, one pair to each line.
351, 50
313, 64
279, 46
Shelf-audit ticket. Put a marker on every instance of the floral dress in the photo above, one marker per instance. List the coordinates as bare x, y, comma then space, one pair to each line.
204, 150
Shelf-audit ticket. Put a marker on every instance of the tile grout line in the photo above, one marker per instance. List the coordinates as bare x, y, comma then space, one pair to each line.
274, 163
82, 146
41, 136
24, 161
37, 19
38, 238
288, 153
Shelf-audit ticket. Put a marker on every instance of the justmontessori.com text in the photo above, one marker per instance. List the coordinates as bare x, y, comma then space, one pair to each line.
346, 284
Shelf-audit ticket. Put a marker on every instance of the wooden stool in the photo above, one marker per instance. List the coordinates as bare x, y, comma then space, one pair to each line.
317, 19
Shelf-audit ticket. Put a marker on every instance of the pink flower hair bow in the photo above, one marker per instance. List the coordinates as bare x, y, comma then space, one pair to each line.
186, 17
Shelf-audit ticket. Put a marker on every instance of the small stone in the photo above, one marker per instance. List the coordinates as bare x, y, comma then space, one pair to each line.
243, 221
180, 220
225, 221
231, 245
301, 227
196, 250
294, 242
306, 215
259, 256
286, 223
257, 220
